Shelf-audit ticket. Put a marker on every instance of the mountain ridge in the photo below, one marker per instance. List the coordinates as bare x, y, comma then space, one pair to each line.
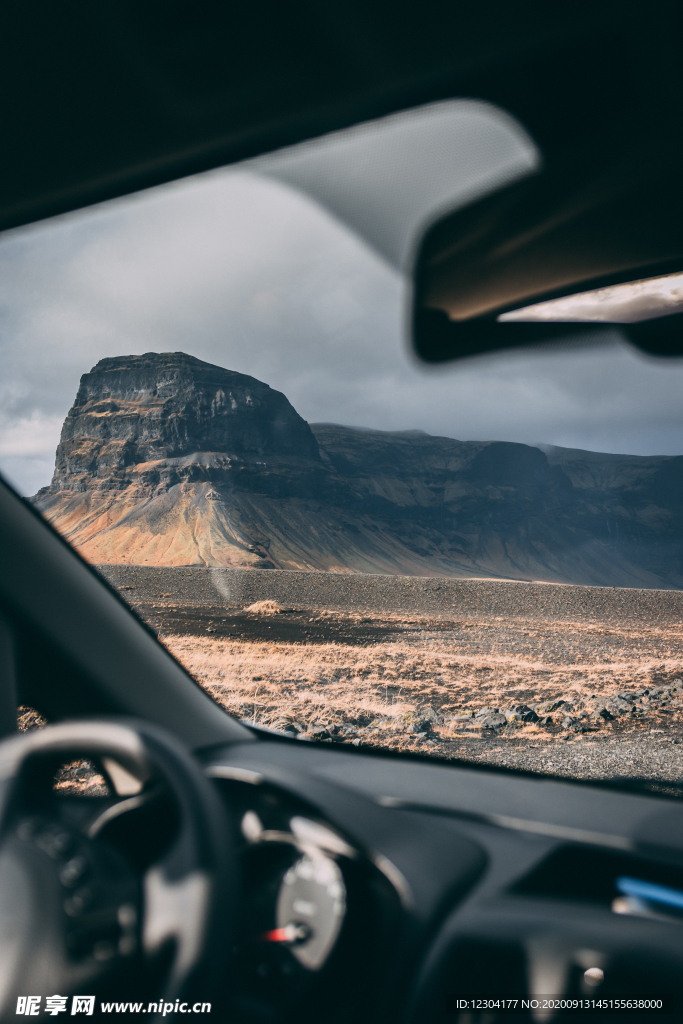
167, 460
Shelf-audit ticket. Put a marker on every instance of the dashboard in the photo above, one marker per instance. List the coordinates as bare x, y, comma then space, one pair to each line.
386, 890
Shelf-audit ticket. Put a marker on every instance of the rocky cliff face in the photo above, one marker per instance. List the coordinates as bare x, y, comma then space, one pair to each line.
515, 511
135, 411
167, 460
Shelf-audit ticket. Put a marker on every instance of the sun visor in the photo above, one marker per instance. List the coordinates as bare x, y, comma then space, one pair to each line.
388, 179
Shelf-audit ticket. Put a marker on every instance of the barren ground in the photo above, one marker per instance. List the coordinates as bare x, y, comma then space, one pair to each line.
434, 686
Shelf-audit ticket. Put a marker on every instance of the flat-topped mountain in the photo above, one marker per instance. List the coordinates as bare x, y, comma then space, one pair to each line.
168, 460
135, 410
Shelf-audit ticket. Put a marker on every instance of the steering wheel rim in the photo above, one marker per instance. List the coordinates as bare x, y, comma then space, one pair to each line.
185, 897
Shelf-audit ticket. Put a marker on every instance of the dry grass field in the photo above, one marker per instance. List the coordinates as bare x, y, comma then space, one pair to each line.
567, 698
568, 681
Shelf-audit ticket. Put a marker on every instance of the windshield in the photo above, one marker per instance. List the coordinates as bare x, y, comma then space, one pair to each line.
208, 390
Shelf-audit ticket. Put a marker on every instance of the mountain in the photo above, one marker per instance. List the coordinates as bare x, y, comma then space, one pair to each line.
168, 460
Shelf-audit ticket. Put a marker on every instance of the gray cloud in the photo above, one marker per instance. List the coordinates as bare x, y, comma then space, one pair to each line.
242, 271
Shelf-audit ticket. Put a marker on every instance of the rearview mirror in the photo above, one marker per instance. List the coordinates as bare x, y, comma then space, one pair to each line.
556, 256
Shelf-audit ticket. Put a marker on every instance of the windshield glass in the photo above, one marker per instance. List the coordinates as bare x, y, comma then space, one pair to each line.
208, 390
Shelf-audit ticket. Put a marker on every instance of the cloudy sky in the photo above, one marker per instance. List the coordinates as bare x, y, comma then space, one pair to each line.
240, 269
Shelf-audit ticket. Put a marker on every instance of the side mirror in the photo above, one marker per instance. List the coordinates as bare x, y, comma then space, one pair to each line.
556, 256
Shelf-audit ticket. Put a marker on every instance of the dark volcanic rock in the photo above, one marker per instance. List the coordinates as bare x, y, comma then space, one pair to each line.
167, 460
133, 410
516, 511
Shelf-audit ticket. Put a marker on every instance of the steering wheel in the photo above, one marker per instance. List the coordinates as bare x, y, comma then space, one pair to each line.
129, 899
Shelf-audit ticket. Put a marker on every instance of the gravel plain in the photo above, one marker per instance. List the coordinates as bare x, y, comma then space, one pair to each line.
434, 596
564, 680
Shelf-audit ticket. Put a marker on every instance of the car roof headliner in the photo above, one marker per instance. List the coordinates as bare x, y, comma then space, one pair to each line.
102, 100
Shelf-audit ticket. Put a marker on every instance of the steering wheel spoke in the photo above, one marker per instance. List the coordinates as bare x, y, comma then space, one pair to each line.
132, 900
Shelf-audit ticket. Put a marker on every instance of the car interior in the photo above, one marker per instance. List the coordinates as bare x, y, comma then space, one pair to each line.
226, 865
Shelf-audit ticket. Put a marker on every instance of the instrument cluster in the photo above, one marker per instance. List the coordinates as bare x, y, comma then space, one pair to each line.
314, 912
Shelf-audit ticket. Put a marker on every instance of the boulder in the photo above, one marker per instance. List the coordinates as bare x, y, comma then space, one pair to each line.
618, 706
494, 721
549, 706
318, 732
525, 713
429, 714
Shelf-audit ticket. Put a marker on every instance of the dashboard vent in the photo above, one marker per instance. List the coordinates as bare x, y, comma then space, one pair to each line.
627, 884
